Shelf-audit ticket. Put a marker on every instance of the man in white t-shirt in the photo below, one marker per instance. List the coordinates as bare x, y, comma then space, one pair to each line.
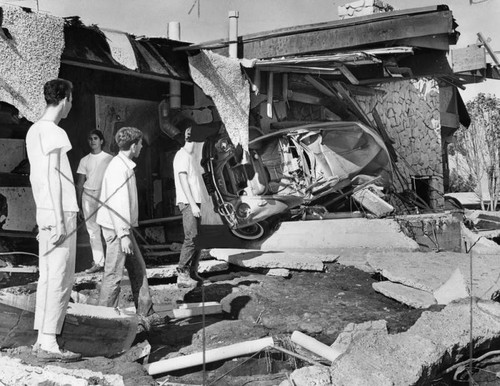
188, 185
56, 210
90, 173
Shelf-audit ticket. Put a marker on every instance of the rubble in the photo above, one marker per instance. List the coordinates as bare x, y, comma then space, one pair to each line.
429, 273
249, 258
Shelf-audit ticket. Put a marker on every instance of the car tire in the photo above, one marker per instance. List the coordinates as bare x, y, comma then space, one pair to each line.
252, 232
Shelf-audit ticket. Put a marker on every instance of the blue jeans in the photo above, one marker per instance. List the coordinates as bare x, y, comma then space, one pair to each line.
113, 273
190, 253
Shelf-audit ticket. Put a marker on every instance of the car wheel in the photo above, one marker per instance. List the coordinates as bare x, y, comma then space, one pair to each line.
252, 232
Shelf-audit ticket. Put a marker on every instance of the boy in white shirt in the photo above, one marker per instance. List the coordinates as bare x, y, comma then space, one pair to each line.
90, 173
117, 216
56, 210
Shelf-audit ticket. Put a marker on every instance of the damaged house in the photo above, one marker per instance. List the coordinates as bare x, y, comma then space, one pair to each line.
345, 118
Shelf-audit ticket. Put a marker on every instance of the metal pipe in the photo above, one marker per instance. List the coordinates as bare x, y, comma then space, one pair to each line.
174, 33
216, 354
233, 34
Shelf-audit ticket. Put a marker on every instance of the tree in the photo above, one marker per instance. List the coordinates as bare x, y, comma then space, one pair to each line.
480, 145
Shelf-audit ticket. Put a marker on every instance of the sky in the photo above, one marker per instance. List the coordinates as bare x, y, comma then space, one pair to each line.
205, 20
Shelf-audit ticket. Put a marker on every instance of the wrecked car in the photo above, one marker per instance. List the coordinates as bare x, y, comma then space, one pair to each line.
291, 170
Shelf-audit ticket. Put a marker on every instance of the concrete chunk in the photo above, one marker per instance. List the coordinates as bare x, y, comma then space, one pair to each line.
254, 258
335, 234
353, 331
170, 270
429, 271
410, 296
436, 341
455, 288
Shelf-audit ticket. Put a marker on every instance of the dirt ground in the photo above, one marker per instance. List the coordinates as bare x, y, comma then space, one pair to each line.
319, 304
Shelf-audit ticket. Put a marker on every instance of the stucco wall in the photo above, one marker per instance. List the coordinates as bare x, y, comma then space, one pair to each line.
409, 110
31, 53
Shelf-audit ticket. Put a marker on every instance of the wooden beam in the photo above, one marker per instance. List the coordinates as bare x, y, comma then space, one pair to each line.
161, 220
470, 58
488, 48
101, 67
373, 31
223, 43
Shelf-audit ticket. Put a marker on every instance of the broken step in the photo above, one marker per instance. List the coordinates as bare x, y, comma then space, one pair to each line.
87, 329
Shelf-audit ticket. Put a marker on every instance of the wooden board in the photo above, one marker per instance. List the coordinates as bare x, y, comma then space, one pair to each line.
89, 330
366, 32
470, 58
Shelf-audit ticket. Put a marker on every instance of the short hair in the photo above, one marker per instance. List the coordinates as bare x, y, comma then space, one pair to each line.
127, 136
99, 134
56, 90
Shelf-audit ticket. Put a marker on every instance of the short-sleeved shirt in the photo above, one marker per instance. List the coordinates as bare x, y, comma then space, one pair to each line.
119, 193
93, 167
184, 163
43, 138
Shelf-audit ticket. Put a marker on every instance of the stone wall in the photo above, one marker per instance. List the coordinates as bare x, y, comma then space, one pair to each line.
409, 110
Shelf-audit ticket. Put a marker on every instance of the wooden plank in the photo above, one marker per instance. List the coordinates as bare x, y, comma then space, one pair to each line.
348, 37
161, 220
161, 253
470, 58
223, 43
19, 269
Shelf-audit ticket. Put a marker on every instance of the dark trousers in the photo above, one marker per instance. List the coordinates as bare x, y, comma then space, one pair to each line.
190, 252
115, 261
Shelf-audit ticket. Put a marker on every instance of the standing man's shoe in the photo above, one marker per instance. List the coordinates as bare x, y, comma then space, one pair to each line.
184, 280
95, 269
64, 356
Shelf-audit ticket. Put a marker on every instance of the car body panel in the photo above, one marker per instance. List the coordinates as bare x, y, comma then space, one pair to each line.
290, 168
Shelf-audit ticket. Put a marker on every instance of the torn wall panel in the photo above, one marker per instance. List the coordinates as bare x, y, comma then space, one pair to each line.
31, 46
221, 78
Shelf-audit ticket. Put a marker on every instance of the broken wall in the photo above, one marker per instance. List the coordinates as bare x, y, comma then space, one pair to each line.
410, 113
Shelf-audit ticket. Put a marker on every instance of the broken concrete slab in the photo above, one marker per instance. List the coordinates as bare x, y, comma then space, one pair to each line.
351, 233
254, 258
320, 375
455, 288
479, 242
15, 372
167, 271
428, 271
353, 331
407, 295
435, 342
282, 272
161, 272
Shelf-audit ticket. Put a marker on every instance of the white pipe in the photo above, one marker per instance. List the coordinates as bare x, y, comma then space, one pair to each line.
315, 346
216, 354
233, 34
174, 33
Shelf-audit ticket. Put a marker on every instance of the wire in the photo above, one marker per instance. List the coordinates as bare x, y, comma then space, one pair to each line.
18, 253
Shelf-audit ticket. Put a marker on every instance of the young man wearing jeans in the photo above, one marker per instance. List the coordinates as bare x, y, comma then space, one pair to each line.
118, 215
188, 185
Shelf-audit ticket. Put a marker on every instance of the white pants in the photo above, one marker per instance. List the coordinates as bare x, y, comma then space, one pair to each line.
90, 206
57, 270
